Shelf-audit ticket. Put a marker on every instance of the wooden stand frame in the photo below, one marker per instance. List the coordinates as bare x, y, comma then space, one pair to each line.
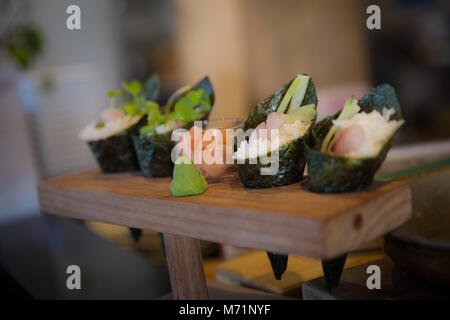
184, 259
286, 220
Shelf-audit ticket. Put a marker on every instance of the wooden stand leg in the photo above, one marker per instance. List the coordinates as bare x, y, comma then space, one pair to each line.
332, 270
184, 259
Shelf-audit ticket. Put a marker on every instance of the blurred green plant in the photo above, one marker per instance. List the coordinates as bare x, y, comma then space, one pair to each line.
24, 45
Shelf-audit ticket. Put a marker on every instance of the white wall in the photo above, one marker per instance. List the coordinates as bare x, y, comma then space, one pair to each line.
84, 64
18, 172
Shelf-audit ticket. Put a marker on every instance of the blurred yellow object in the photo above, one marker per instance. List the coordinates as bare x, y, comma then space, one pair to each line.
254, 270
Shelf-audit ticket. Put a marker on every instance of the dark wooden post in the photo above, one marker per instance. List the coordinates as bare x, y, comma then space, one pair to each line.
184, 259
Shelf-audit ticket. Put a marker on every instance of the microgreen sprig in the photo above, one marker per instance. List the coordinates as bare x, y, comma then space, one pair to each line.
113, 95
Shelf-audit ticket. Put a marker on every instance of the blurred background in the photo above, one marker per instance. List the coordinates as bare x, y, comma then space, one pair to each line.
53, 81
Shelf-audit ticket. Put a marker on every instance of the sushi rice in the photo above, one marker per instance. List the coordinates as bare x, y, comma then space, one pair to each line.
110, 128
377, 129
260, 145
167, 127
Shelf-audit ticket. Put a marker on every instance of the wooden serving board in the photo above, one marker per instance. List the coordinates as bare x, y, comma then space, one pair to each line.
286, 219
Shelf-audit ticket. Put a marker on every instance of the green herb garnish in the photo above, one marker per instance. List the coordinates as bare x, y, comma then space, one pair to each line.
113, 95
133, 87
149, 106
129, 108
143, 96
154, 118
187, 109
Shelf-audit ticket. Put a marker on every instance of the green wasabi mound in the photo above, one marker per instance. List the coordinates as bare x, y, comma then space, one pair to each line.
187, 180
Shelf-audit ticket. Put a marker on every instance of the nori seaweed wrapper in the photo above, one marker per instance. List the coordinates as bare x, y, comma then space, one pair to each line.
332, 270
270, 104
328, 173
291, 159
154, 154
204, 84
116, 153
135, 129
279, 263
291, 155
136, 234
154, 151
291, 166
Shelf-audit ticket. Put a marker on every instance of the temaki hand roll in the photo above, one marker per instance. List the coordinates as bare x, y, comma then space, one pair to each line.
345, 150
153, 142
280, 123
284, 118
109, 139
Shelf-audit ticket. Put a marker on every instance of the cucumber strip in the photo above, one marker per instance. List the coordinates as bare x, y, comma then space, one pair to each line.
305, 114
349, 110
287, 97
299, 93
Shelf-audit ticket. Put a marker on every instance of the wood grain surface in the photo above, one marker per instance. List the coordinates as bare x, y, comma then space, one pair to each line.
286, 219
184, 261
